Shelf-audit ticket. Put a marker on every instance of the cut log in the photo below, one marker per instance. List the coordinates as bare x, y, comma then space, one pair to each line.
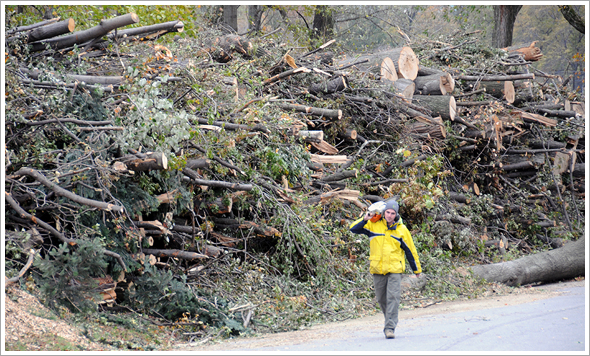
405, 87
31, 27
329, 113
348, 134
152, 161
48, 31
220, 206
285, 74
185, 255
344, 194
198, 163
325, 147
562, 263
495, 77
330, 86
404, 59
388, 71
161, 28
529, 52
436, 84
530, 117
329, 159
500, 89
437, 132
440, 105
81, 37
340, 176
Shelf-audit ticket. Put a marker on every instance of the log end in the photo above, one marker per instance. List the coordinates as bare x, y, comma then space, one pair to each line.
134, 17
71, 24
408, 64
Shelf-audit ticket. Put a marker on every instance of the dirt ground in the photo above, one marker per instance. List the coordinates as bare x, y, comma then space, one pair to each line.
318, 332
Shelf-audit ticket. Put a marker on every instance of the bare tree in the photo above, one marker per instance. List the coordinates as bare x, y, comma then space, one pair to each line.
255, 17
504, 18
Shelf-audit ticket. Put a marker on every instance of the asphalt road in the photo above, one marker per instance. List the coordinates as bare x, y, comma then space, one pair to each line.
551, 324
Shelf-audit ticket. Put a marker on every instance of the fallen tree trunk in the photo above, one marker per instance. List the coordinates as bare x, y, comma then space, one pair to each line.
48, 31
500, 89
405, 87
562, 263
331, 86
80, 37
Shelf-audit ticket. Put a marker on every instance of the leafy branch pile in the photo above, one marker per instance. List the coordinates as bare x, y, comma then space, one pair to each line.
209, 181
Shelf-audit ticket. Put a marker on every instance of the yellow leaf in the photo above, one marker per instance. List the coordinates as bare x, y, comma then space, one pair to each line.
407, 153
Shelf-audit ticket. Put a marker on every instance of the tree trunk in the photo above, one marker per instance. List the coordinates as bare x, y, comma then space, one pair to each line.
504, 18
330, 86
440, 105
254, 18
323, 22
572, 17
404, 59
230, 16
562, 263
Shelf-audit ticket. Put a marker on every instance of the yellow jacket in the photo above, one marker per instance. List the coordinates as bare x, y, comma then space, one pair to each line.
388, 246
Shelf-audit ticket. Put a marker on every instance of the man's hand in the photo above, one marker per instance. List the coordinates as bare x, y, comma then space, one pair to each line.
415, 275
368, 215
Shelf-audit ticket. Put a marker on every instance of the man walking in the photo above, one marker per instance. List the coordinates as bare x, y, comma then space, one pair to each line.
390, 241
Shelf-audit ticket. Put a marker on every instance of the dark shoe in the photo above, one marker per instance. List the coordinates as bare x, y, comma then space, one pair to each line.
389, 334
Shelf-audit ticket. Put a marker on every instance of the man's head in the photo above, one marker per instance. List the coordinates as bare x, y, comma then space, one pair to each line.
391, 211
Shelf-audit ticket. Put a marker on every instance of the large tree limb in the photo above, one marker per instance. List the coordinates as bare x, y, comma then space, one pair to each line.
212, 183
51, 229
80, 37
65, 193
15, 279
572, 17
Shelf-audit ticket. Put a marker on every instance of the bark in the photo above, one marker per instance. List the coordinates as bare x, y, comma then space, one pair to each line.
504, 18
161, 28
31, 27
432, 131
440, 105
572, 17
230, 126
81, 37
230, 16
340, 176
563, 263
330, 86
323, 22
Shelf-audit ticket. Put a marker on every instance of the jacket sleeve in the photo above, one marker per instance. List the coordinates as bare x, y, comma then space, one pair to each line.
411, 252
358, 227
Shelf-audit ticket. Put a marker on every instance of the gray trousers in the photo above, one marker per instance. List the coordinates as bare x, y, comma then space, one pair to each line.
388, 290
